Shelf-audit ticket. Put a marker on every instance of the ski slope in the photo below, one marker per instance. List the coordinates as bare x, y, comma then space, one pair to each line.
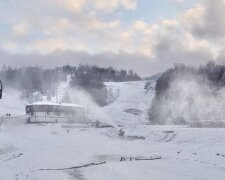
129, 101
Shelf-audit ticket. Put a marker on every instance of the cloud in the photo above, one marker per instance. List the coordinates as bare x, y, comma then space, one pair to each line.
138, 62
47, 45
81, 6
177, 1
10, 46
177, 45
96, 24
140, 25
53, 27
112, 5
92, 30
74, 6
20, 29
206, 20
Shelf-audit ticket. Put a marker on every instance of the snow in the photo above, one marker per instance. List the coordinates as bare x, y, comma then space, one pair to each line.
72, 105
186, 153
63, 86
12, 103
129, 96
57, 104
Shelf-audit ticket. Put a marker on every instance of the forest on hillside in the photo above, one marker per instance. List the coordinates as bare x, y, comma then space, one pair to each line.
33, 79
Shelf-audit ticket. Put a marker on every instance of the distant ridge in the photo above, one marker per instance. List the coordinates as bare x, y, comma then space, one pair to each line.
154, 77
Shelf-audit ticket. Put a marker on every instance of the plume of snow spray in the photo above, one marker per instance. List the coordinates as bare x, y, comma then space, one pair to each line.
95, 112
190, 98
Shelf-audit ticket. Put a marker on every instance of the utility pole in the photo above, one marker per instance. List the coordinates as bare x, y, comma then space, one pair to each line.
56, 94
1, 89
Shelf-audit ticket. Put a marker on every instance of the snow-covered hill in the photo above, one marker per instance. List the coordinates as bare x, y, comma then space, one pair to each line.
129, 101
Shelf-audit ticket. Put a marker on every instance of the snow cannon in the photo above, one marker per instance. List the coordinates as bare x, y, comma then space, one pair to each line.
121, 133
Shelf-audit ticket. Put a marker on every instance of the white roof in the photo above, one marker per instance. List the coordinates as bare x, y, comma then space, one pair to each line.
56, 104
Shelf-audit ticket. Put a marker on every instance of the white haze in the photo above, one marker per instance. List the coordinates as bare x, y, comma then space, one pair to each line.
12, 102
95, 112
192, 98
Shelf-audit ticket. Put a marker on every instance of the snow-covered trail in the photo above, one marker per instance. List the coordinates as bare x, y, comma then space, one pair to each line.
130, 101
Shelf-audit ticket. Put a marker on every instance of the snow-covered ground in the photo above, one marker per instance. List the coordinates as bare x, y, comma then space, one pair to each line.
50, 151
186, 153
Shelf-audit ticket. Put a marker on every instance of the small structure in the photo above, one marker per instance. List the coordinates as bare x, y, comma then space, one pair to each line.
48, 112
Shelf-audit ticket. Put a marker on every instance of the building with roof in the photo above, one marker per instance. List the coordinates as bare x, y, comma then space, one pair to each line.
49, 112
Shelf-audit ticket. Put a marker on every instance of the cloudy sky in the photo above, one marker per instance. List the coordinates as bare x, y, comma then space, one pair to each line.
145, 35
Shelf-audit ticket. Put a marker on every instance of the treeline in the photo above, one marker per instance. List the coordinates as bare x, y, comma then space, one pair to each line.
167, 97
91, 78
45, 81
214, 74
32, 79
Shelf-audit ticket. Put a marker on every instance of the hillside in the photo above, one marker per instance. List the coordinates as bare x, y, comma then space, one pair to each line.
129, 101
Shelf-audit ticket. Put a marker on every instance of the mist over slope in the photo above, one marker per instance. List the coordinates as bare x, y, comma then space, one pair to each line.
185, 94
34, 79
12, 102
127, 102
